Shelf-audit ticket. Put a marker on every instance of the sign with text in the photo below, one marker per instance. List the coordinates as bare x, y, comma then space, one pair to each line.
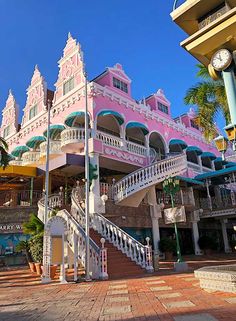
213, 15
175, 215
10, 228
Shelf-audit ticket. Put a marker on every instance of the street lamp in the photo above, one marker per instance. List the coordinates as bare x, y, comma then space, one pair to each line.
171, 186
221, 143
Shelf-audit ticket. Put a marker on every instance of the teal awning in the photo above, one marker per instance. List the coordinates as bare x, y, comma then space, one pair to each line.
178, 142
34, 141
138, 125
208, 155
75, 118
54, 131
220, 160
221, 172
118, 116
230, 164
19, 150
194, 149
189, 180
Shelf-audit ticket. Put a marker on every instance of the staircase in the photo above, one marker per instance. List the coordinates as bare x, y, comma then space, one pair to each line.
131, 189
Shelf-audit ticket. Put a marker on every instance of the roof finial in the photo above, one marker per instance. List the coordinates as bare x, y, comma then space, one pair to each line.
36, 68
10, 92
69, 35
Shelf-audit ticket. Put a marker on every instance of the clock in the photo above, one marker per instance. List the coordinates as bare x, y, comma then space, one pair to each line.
221, 59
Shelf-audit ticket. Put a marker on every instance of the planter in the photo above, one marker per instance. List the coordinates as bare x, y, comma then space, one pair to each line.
38, 268
32, 267
168, 256
53, 270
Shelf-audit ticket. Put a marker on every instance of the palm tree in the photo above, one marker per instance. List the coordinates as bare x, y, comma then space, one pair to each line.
210, 98
4, 156
34, 226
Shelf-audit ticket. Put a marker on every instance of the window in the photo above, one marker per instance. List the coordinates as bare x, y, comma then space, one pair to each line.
68, 86
120, 85
193, 124
33, 112
163, 108
6, 131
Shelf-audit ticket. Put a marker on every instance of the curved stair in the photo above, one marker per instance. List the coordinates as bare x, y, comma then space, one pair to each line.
131, 189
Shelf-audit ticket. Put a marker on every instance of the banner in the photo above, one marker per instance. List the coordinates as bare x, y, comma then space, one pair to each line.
174, 215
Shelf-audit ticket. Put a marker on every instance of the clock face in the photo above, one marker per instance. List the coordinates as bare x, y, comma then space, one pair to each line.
221, 59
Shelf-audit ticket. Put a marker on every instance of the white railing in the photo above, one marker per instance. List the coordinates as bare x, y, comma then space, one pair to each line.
153, 155
77, 240
16, 162
136, 148
31, 157
149, 175
54, 201
54, 148
137, 252
109, 140
72, 135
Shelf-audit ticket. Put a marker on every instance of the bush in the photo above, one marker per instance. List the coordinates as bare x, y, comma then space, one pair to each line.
167, 245
36, 248
207, 242
23, 246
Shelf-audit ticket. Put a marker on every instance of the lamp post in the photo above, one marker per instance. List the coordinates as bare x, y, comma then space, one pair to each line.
221, 143
87, 218
47, 166
171, 186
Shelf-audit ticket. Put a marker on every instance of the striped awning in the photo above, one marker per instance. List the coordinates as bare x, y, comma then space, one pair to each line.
117, 115
143, 128
35, 141
209, 155
75, 118
54, 131
194, 149
178, 142
19, 150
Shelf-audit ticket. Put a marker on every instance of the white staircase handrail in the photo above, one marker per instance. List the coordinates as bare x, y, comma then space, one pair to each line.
149, 175
54, 201
139, 253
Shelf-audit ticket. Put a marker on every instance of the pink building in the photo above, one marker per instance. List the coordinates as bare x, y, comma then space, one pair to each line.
133, 144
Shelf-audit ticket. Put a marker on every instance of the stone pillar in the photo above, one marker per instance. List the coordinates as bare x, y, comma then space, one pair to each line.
155, 213
227, 247
199, 162
195, 219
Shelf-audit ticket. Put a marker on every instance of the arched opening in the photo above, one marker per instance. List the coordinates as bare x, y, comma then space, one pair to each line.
157, 143
177, 145
192, 153
207, 159
135, 132
108, 124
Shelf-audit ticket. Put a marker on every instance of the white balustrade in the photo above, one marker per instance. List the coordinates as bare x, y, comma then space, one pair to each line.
54, 148
31, 157
54, 201
149, 175
109, 140
72, 135
136, 148
16, 162
133, 249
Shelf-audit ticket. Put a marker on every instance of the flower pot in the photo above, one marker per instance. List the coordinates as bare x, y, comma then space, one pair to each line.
53, 270
32, 267
168, 256
38, 268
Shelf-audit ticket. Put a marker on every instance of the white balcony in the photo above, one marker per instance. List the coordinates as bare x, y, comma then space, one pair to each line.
16, 162
54, 149
31, 158
109, 140
72, 140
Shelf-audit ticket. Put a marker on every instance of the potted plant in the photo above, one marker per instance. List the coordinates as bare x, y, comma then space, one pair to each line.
207, 244
23, 246
167, 246
36, 250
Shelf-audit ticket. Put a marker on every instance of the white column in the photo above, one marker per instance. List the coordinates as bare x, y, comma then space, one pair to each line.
64, 259
227, 248
75, 240
197, 249
199, 162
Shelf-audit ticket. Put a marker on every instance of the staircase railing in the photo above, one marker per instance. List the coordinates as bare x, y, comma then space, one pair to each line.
137, 252
149, 175
54, 201
76, 238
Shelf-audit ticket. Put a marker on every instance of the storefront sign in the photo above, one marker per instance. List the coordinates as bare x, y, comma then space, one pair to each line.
213, 15
10, 228
174, 215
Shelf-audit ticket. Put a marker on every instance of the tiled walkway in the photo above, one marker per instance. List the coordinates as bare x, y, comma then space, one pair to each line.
172, 297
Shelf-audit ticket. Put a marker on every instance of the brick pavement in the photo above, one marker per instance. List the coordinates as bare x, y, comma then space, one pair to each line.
159, 297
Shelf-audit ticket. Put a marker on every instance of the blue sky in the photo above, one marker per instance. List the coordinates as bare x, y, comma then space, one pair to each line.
138, 34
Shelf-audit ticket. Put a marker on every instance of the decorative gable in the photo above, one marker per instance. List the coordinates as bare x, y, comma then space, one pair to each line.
71, 68
161, 96
10, 116
118, 71
36, 98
